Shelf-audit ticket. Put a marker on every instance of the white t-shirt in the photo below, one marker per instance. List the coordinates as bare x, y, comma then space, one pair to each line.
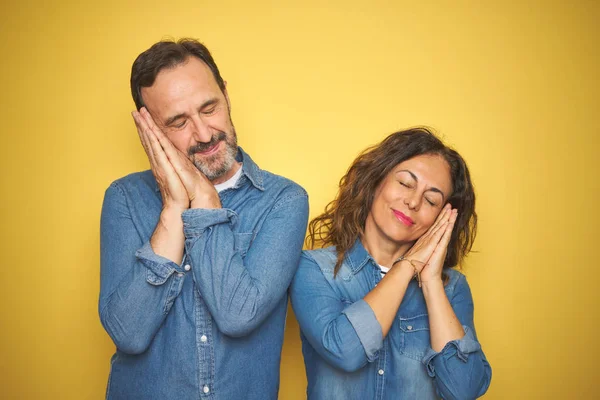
229, 183
384, 270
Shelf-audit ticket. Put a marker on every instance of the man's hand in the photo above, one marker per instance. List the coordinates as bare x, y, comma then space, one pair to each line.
172, 190
199, 190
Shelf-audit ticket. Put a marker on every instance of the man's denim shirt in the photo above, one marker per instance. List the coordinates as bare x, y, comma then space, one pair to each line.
212, 327
344, 351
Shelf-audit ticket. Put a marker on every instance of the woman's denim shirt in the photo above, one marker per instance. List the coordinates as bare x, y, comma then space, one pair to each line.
344, 351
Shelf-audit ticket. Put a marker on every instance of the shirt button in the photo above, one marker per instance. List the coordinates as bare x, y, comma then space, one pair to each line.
205, 389
409, 327
187, 267
179, 274
203, 339
380, 372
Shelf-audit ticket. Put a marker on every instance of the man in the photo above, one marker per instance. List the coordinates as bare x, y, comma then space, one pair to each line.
196, 254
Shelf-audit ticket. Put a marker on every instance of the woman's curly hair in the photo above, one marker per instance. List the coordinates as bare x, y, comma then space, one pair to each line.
343, 220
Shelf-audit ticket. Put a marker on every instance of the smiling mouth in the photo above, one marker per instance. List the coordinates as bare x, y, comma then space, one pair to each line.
211, 150
406, 220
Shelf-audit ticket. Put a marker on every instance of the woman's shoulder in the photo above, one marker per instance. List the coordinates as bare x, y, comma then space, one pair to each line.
325, 258
453, 274
455, 279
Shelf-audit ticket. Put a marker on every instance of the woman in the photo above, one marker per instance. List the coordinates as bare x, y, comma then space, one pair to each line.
381, 312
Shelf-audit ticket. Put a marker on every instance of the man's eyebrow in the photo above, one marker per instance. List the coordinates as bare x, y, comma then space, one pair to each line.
208, 103
431, 189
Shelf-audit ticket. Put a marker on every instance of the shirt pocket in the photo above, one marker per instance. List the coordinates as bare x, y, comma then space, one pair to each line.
414, 332
242, 242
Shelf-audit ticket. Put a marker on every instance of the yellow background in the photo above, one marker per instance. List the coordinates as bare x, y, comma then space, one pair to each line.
512, 85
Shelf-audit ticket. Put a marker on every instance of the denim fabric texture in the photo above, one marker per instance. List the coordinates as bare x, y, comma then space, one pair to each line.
212, 327
344, 351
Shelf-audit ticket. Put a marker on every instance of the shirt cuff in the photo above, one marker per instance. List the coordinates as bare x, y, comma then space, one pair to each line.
196, 220
366, 326
159, 267
468, 344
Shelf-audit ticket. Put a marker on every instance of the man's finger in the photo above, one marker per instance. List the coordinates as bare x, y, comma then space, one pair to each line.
142, 133
168, 147
139, 126
177, 158
157, 150
160, 135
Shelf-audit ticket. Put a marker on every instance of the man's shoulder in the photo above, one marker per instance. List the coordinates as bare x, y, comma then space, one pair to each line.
136, 183
285, 187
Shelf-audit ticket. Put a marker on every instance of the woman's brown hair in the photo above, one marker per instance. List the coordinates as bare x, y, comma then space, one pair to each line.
343, 220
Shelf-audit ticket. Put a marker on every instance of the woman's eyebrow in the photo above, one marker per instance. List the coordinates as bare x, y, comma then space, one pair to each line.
411, 174
436, 190
431, 189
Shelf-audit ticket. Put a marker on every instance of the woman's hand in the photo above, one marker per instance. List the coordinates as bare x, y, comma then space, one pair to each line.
433, 269
421, 253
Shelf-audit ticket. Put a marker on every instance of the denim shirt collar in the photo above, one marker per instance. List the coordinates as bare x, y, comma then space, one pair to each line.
357, 256
249, 169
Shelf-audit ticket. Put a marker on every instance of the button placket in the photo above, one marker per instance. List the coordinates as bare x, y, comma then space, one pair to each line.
203, 346
380, 371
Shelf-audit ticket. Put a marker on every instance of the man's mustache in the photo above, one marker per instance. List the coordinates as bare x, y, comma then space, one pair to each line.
200, 147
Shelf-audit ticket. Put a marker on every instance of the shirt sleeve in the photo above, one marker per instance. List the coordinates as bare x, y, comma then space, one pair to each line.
242, 288
137, 286
346, 335
460, 370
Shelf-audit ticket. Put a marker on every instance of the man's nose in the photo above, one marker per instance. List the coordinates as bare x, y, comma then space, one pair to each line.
201, 131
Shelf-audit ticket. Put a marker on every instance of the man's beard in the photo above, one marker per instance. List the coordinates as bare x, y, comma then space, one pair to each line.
211, 166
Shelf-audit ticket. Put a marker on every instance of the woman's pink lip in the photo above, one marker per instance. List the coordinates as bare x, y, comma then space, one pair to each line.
403, 218
211, 150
